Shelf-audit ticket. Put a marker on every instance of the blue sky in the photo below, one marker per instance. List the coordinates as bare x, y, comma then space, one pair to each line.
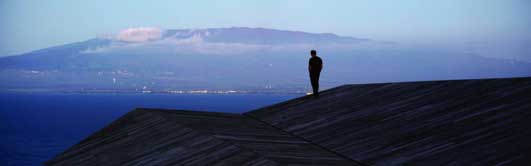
31, 24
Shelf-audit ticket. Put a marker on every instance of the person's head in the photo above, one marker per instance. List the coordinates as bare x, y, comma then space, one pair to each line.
313, 53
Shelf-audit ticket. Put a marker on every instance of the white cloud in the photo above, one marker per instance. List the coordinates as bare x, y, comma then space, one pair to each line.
141, 34
197, 45
135, 41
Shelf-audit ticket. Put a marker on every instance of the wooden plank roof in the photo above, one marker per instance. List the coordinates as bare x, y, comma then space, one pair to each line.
458, 122
178, 137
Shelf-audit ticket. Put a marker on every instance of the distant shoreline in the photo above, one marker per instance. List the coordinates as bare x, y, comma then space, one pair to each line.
193, 92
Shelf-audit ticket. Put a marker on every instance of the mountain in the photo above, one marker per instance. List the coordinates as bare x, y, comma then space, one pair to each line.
235, 59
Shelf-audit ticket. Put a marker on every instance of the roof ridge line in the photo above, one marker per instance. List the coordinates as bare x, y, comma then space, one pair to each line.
222, 140
310, 142
295, 99
436, 80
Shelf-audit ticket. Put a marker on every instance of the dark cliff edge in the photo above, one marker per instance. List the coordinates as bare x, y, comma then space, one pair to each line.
455, 122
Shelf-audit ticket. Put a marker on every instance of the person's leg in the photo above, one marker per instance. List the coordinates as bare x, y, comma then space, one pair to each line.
314, 78
316, 91
314, 85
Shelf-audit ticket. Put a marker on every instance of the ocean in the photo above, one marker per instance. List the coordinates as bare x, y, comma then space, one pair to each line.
35, 127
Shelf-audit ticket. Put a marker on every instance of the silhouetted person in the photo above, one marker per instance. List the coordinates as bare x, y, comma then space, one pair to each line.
314, 67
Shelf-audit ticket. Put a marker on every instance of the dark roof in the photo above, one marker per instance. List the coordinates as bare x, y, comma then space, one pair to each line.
458, 122
172, 137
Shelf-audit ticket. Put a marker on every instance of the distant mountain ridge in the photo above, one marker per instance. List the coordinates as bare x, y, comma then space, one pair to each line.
235, 59
259, 36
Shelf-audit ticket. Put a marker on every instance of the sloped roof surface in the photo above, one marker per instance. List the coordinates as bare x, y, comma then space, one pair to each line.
459, 122
172, 137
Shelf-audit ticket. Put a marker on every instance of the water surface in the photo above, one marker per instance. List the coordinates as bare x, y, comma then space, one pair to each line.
37, 126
